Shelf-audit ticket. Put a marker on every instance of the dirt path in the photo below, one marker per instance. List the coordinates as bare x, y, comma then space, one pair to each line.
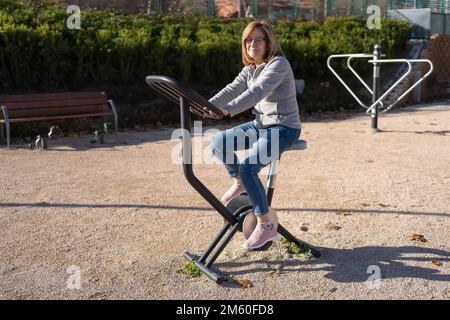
123, 214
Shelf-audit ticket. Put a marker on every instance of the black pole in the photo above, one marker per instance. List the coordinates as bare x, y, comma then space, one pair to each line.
187, 165
270, 196
376, 86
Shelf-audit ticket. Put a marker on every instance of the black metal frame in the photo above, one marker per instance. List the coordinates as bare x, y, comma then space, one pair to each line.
191, 101
375, 87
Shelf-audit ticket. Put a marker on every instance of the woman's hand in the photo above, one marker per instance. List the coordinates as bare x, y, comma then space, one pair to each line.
224, 111
212, 114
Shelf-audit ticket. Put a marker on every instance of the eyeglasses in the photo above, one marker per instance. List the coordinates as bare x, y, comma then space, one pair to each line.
257, 41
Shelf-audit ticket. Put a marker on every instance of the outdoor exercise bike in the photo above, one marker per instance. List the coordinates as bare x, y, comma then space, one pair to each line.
237, 213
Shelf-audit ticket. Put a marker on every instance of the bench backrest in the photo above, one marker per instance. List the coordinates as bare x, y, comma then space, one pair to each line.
54, 104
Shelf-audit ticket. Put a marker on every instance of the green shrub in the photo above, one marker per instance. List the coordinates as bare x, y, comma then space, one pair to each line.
39, 53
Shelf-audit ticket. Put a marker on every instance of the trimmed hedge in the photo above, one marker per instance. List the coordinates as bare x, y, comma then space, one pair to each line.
117, 50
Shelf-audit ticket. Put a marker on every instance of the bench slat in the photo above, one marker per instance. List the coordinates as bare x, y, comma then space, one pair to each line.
49, 104
57, 117
57, 111
51, 96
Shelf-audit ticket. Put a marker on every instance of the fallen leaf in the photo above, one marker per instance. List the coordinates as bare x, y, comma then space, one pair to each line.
437, 263
417, 237
275, 272
332, 226
244, 283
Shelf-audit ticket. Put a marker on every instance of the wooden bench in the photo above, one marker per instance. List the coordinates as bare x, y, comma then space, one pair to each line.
53, 106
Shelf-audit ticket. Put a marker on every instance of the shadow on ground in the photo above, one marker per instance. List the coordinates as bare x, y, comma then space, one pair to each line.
341, 265
87, 142
351, 265
206, 209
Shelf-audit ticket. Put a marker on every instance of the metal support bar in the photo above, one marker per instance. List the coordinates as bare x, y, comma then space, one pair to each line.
271, 180
215, 242
353, 55
7, 124
255, 8
281, 230
200, 262
413, 86
211, 8
208, 272
187, 166
44, 142
2, 132
357, 75
222, 246
116, 116
376, 86
396, 83
361, 80
269, 193
272, 177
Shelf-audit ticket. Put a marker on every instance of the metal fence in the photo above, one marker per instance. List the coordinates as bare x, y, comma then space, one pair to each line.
436, 6
277, 9
272, 9
439, 16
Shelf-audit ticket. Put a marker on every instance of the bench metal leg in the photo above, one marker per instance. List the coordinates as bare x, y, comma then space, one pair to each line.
2, 132
106, 122
8, 135
6, 118
116, 116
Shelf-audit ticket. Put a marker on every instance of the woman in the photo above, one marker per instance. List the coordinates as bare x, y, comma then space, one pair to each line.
267, 84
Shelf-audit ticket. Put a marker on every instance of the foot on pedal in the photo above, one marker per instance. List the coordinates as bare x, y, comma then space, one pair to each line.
263, 233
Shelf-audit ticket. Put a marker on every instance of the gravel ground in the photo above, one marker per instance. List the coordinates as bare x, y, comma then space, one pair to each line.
120, 215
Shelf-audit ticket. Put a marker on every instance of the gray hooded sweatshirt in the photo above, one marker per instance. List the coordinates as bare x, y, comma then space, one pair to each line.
269, 88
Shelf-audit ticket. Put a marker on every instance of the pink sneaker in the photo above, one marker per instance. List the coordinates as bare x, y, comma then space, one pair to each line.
236, 189
263, 233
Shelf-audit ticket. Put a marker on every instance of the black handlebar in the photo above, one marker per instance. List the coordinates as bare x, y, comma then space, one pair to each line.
175, 89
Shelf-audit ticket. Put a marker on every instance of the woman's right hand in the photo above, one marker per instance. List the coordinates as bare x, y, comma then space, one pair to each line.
210, 112
224, 111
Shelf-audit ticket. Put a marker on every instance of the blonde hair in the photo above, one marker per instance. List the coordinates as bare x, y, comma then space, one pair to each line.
273, 47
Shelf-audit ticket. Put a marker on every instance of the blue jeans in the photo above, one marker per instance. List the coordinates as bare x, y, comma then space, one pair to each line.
266, 144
